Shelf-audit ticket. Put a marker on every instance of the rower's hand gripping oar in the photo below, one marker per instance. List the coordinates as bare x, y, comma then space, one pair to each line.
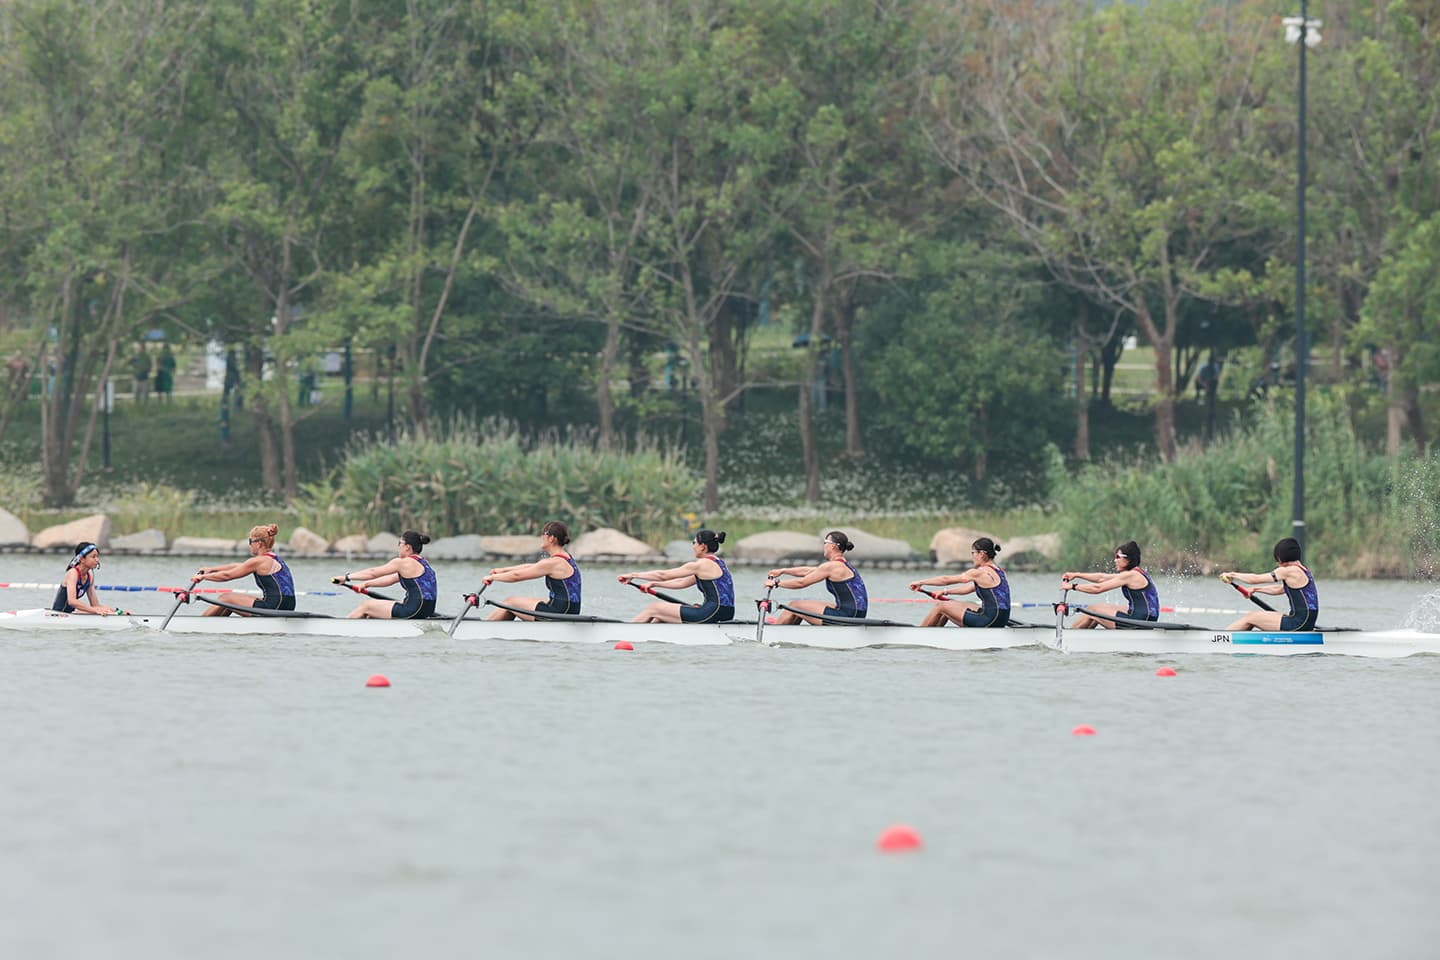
471, 600
647, 588
762, 609
181, 596
345, 582
1249, 594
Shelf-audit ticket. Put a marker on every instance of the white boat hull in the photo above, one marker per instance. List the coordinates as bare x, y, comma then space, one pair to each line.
682, 634
1384, 643
235, 626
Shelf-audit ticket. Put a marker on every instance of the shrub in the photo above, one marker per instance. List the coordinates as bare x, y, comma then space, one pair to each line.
488, 478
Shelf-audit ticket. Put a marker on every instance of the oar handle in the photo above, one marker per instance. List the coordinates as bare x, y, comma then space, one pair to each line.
645, 587
1249, 594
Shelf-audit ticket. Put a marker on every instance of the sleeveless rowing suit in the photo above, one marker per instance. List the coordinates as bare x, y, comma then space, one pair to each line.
994, 604
1304, 604
850, 596
277, 589
62, 599
1144, 604
564, 594
719, 603
420, 593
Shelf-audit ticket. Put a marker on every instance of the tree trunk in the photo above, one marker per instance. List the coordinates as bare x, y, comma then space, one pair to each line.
844, 323
604, 403
260, 410
722, 351
1414, 420
1082, 404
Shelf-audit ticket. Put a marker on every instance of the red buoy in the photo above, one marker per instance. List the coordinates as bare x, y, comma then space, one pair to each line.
1165, 672
898, 838
378, 680
1084, 730
624, 645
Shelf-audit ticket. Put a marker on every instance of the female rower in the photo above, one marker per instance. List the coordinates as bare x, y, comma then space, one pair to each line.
414, 574
77, 587
272, 575
839, 577
706, 571
1135, 583
986, 580
562, 577
1290, 577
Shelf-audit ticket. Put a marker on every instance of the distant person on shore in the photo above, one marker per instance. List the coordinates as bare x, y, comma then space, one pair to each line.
414, 574
272, 575
1142, 599
985, 579
562, 577
1291, 578
165, 374
140, 369
839, 577
77, 587
707, 572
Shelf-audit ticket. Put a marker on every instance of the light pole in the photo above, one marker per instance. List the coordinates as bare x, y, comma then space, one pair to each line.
1304, 33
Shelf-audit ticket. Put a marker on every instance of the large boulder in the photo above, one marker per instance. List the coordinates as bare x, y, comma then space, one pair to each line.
1033, 550
207, 547
13, 532
951, 546
869, 547
94, 528
608, 542
307, 543
467, 546
383, 542
146, 541
351, 545
515, 545
774, 546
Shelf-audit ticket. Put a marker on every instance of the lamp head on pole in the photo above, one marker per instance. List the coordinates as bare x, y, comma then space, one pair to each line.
1312, 30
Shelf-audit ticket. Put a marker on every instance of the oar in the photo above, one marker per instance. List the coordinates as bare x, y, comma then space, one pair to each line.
1061, 608
1250, 595
362, 590
471, 600
181, 596
762, 607
945, 598
646, 588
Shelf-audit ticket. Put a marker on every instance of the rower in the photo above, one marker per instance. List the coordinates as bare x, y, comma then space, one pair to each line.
76, 593
1142, 599
985, 579
414, 574
839, 577
707, 571
272, 575
1290, 577
562, 577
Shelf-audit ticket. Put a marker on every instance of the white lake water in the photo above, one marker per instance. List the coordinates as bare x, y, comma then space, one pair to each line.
250, 797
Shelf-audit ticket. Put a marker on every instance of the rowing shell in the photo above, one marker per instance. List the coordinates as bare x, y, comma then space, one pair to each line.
1385, 643
48, 620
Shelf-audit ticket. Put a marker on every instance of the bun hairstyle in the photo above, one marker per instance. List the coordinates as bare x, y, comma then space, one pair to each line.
840, 540
83, 549
710, 540
558, 530
265, 532
1131, 550
986, 546
1287, 550
415, 541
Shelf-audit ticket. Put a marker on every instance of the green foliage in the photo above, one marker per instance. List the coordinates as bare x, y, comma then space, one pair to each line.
1227, 504
488, 479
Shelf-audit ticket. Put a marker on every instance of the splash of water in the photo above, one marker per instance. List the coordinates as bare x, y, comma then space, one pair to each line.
1425, 614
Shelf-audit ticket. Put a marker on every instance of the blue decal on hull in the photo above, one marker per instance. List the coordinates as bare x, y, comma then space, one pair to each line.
1311, 639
